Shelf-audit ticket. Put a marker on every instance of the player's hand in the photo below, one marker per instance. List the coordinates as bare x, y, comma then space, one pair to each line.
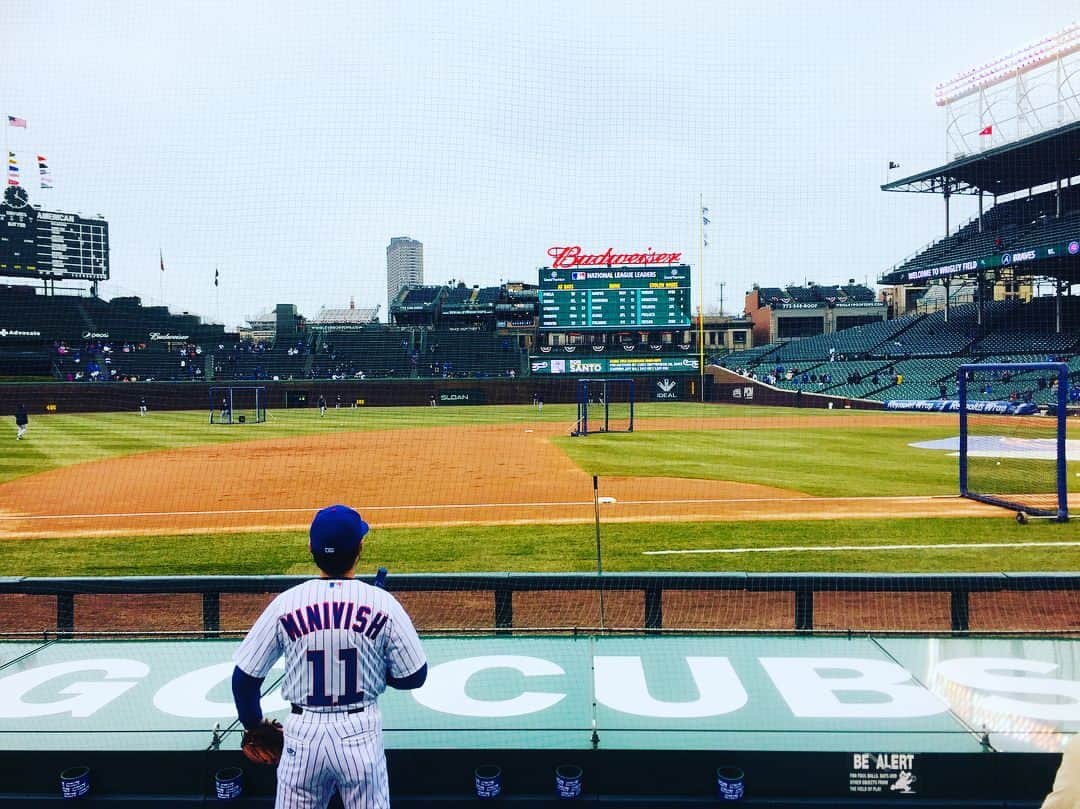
263, 743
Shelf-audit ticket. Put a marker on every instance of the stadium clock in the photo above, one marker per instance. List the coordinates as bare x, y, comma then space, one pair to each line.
15, 196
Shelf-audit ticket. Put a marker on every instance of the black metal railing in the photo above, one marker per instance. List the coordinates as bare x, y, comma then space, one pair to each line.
502, 588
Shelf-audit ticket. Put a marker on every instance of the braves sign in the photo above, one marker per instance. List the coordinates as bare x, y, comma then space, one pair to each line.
575, 257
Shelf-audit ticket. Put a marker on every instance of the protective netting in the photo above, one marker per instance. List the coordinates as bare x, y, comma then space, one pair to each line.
1013, 446
413, 248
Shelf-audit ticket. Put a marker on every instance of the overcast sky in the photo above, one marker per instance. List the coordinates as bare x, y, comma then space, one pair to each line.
286, 143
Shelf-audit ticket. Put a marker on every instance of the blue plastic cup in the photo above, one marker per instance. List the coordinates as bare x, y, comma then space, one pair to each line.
729, 783
229, 783
568, 781
74, 782
488, 780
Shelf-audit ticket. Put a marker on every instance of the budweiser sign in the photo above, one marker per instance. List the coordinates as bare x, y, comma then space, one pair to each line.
562, 257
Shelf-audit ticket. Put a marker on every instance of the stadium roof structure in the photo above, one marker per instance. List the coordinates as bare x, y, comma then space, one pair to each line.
350, 317
1026, 163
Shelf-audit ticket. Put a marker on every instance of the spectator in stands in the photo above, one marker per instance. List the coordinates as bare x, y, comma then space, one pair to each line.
942, 391
22, 421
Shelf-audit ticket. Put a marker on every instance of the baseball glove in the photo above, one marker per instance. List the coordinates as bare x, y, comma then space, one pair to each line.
263, 743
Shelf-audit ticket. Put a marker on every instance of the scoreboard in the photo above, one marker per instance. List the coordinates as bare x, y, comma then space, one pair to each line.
50, 244
615, 298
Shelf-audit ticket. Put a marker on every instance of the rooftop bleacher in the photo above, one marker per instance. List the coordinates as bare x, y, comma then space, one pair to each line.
813, 293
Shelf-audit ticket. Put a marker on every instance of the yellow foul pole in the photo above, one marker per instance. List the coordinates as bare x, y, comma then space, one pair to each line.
701, 294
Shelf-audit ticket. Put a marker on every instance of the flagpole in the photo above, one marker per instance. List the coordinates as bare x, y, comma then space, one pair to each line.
701, 292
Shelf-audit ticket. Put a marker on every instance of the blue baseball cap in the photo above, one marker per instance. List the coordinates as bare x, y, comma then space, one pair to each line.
337, 530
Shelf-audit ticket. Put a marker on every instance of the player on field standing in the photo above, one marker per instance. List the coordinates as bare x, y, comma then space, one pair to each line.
22, 421
343, 641
322, 405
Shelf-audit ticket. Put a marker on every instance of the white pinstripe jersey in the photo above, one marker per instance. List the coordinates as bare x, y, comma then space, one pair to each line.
339, 638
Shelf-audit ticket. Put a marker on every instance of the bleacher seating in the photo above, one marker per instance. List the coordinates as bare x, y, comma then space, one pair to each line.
373, 351
468, 353
917, 356
1022, 222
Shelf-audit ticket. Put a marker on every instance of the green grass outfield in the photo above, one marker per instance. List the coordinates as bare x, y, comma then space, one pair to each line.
821, 461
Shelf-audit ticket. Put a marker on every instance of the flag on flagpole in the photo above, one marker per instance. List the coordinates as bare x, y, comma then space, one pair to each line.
987, 130
43, 170
15, 121
12, 182
161, 259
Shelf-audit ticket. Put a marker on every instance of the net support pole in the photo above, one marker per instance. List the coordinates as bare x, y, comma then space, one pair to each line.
599, 558
1062, 476
962, 385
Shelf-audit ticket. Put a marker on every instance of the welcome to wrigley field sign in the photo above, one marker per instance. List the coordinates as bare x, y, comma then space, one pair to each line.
885, 696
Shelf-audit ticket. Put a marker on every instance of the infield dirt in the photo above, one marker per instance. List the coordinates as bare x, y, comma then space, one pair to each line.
475, 474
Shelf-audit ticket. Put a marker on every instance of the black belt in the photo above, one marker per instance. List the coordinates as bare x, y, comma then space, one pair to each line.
300, 709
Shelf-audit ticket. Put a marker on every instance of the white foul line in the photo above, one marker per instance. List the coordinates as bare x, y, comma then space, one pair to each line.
427, 506
799, 548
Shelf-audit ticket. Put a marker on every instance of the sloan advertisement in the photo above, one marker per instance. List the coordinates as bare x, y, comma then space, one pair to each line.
465, 396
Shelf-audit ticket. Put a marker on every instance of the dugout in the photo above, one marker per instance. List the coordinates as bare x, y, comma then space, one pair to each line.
616, 778
146, 745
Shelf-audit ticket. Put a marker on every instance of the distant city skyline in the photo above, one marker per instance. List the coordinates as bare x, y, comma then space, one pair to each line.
404, 267
284, 146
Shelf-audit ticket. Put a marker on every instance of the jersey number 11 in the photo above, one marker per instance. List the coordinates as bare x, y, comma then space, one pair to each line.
351, 694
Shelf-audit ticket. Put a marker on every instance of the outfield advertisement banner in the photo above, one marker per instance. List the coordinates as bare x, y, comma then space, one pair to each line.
468, 396
953, 406
993, 262
614, 365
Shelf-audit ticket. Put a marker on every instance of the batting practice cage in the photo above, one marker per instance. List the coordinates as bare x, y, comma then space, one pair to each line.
239, 405
604, 406
1012, 436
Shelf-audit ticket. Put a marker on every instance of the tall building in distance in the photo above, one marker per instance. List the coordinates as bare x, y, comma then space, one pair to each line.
404, 266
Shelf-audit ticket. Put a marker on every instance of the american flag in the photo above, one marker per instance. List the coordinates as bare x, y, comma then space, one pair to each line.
13, 121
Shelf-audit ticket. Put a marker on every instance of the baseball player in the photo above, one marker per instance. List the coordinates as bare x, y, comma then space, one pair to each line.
322, 405
343, 641
22, 421
142, 405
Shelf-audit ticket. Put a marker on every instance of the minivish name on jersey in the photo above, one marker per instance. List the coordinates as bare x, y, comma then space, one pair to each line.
333, 615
